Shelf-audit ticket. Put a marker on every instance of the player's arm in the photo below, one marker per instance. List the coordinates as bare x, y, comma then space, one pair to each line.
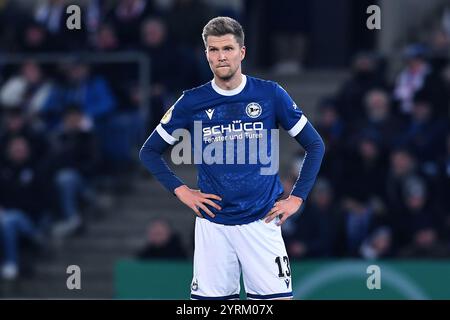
151, 155
314, 147
298, 126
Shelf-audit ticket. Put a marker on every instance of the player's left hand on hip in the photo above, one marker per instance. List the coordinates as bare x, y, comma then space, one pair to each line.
284, 208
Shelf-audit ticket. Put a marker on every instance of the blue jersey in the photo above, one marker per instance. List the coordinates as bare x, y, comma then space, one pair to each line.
209, 113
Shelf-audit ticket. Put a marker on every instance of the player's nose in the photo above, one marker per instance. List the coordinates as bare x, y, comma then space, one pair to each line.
222, 56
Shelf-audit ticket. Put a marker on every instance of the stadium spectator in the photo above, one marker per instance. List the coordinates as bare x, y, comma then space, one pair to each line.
412, 78
75, 161
24, 203
402, 165
330, 124
288, 37
16, 123
34, 38
127, 18
379, 121
126, 124
439, 43
51, 14
106, 39
162, 242
94, 96
171, 69
366, 163
417, 234
443, 182
90, 91
379, 245
313, 234
185, 19
29, 89
12, 19
332, 128
356, 223
366, 75
425, 133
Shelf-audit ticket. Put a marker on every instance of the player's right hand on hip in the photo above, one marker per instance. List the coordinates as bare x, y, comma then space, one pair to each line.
195, 199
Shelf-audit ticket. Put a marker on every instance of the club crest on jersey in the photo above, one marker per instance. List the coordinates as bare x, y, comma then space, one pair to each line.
253, 110
167, 116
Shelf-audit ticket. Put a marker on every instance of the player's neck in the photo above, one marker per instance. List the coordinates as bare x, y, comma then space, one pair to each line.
230, 84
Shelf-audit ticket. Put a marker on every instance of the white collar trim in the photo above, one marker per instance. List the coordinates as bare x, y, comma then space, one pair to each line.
232, 92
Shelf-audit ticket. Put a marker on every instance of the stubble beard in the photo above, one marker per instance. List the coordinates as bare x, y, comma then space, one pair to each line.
228, 76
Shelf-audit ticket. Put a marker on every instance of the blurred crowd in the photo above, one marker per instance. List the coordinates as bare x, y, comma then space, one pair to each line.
383, 189
70, 127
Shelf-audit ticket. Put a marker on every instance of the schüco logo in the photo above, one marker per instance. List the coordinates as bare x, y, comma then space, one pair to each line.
234, 127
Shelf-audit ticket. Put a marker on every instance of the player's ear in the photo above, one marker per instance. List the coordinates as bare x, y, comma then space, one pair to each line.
206, 48
243, 49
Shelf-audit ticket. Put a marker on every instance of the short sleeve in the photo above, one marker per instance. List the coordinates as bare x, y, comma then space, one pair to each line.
289, 115
176, 117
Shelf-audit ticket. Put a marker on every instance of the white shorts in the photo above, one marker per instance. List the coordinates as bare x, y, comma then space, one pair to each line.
222, 252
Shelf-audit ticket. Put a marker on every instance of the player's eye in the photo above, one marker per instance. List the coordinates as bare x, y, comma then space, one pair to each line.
212, 49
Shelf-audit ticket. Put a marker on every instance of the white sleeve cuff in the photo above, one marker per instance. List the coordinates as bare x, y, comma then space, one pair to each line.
295, 130
163, 133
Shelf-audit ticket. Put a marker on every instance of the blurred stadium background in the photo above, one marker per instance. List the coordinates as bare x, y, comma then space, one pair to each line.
76, 105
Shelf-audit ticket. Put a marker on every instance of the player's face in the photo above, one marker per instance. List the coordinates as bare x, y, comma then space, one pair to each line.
224, 55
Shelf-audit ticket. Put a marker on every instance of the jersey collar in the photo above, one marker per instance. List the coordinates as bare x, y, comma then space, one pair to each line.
232, 92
